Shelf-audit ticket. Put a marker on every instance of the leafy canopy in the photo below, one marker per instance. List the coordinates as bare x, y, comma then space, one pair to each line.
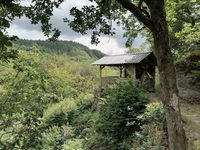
38, 92
184, 25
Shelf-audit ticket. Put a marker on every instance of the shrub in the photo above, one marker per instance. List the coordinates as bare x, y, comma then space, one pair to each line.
119, 112
189, 63
75, 144
82, 118
152, 136
154, 113
57, 113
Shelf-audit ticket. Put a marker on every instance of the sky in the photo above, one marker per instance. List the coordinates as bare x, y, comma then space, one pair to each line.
110, 45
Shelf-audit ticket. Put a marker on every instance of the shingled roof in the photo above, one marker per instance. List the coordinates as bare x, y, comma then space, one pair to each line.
132, 58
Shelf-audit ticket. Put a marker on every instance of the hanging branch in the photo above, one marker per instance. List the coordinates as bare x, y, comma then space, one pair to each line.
137, 13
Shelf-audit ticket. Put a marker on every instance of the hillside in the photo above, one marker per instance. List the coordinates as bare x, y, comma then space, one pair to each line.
75, 50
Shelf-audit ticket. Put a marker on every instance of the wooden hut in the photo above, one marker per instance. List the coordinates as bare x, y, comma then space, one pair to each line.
138, 66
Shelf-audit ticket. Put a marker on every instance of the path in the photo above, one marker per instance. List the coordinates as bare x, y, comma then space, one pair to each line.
192, 127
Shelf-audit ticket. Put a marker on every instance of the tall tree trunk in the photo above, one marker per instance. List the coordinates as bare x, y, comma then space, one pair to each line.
176, 134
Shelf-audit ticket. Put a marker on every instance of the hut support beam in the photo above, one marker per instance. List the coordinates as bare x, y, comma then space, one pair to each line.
120, 68
101, 68
134, 72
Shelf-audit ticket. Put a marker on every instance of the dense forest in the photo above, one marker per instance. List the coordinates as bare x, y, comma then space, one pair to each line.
44, 97
73, 49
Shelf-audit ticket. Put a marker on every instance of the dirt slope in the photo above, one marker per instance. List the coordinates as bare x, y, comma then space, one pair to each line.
191, 115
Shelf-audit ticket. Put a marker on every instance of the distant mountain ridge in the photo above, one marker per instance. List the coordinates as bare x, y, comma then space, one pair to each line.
73, 49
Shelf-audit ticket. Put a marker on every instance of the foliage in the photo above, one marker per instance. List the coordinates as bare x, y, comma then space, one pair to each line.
128, 100
36, 87
183, 23
152, 136
46, 103
74, 50
51, 138
190, 62
20, 118
154, 113
183, 18
75, 144
39, 92
57, 114
119, 116
11, 9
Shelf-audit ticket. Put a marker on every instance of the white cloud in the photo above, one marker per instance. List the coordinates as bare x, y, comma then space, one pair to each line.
25, 34
109, 45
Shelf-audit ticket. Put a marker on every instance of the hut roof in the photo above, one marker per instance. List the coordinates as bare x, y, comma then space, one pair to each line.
132, 58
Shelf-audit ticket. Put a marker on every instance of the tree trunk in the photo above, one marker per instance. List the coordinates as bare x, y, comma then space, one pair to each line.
176, 134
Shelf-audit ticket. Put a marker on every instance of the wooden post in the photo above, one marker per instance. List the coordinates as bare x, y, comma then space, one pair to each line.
101, 67
120, 67
154, 79
100, 77
125, 72
134, 72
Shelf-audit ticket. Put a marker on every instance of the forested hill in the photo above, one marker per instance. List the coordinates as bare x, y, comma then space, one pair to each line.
72, 49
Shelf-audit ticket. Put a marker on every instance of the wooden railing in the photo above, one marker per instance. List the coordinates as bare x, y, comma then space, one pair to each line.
109, 80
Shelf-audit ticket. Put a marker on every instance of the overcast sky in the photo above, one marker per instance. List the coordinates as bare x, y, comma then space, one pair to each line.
109, 45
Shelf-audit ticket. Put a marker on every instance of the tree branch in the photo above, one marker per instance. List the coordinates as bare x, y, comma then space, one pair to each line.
143, 9
127, 4
140, 3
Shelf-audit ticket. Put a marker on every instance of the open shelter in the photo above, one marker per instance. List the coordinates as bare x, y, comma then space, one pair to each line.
138, 66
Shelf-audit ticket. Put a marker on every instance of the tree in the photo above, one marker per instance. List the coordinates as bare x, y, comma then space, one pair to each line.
38, 12
184, 26
134, 15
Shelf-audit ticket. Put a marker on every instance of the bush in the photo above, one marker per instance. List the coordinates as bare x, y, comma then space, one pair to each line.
189, 63
82, 117
119, 114
57, 113
154, 113
75, 144
153, 136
